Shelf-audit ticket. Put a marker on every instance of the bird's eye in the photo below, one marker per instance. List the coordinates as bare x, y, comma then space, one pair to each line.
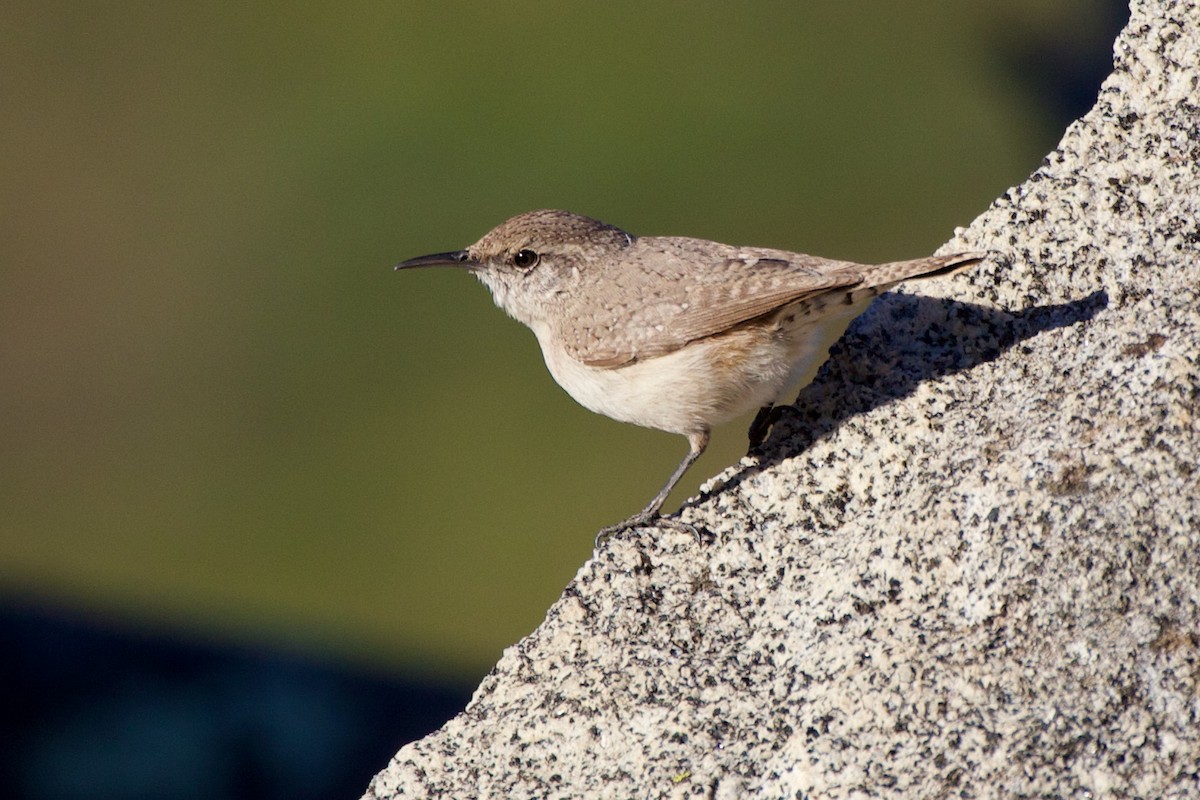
526, 259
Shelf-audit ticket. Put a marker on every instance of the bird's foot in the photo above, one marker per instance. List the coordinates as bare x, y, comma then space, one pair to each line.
645, 519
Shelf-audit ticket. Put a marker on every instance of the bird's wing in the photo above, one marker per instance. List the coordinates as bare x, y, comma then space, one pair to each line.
681, 290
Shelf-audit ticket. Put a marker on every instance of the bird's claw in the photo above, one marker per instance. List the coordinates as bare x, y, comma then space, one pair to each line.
645, 520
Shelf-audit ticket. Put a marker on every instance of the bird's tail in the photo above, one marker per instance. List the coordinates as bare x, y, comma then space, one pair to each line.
886, 275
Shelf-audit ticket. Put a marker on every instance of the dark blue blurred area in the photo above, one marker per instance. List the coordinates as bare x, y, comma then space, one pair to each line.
92, 711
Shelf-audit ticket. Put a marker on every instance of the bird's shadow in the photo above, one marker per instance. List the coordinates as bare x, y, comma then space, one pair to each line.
900, 342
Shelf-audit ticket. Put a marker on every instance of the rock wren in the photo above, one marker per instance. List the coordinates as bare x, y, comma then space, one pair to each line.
673, 333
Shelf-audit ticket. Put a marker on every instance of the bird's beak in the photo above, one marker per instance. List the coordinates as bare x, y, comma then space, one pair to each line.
458, 258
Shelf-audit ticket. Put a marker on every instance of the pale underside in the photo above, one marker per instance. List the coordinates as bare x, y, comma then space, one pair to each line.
710, 380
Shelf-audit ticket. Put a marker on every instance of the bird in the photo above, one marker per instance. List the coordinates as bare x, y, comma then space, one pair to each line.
674, 333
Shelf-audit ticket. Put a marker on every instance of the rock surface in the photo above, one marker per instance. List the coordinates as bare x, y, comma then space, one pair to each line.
968, 566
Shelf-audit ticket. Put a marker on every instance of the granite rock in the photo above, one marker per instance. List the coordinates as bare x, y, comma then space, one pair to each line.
968, 565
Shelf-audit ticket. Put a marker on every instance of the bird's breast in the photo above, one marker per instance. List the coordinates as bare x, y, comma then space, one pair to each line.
691, 389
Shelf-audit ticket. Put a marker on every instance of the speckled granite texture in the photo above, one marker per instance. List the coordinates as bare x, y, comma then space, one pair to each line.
968, 566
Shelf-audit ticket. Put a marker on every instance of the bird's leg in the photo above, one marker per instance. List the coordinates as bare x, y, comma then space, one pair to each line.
696, 444
763, 421
761, 426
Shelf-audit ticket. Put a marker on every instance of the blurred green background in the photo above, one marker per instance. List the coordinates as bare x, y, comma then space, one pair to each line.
223, 415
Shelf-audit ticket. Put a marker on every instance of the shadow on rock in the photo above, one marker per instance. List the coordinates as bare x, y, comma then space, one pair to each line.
902, 341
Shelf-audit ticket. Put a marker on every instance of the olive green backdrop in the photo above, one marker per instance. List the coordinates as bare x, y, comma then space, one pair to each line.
223, 414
